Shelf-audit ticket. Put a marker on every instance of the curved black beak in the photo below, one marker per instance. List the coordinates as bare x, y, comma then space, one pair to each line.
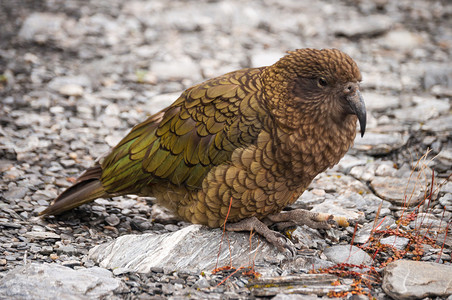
358, 108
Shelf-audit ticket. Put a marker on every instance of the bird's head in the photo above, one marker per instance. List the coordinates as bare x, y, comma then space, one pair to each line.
322, 83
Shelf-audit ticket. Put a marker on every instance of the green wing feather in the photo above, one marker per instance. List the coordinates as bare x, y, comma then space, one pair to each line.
183, 142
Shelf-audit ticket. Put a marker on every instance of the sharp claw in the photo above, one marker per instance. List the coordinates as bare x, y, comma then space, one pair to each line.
287, 245
277, 239
284, 243
280, 235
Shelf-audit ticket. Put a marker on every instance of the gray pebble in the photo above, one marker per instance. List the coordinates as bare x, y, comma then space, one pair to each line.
112, 220
15, 193
201, 283
172, 227
395, 241
46, 250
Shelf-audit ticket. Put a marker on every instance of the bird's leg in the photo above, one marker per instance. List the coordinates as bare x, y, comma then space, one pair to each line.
304, 217
273, 237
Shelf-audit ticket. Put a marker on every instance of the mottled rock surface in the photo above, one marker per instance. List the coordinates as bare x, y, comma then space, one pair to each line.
416, 280
195, 248
51, 281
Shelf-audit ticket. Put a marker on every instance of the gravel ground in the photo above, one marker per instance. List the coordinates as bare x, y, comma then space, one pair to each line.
76, 75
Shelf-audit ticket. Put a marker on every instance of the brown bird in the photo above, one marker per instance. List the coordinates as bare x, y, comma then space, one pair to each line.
245, 144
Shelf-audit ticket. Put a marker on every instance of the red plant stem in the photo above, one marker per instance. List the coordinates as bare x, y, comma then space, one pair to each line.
379, 224
227, 215
224, 280
353, 237
224, 232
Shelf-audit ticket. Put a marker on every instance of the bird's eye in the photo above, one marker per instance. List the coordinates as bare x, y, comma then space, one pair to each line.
322, 82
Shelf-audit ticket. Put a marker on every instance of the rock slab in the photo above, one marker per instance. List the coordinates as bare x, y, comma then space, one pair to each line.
346, 254
194, 248
406, 279
52, 281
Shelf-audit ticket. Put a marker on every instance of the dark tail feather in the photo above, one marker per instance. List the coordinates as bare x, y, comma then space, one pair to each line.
87, 188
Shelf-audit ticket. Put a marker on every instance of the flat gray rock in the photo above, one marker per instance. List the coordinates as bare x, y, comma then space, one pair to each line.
52, 281
349, 161
441, 124
401, 40
380, 143
363, 234
193, 248
15, 193
341, 206
41, 27
379, 102
438, 75
406, 279
38, 235
373, 25
445, 157
425, 109
394, 190
63, 82
308, 284
338, 182
347, 254
395, 241
180, 68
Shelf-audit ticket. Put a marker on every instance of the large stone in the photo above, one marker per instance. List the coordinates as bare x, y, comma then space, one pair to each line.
193, 248
52, 281
402, 40
363, 234
399, 191
395, 241
161, 101
441, 124
71, 90
438, 75
369, 26
337, 182
15, 193
426, 109
445, 157
40, 27
176, 69
70, 85
342, 206
349, 161
37, 235
379, 102
405, 279
380, 143
308, 284
348, 254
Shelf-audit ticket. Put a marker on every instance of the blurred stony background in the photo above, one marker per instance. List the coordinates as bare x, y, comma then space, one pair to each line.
76, 75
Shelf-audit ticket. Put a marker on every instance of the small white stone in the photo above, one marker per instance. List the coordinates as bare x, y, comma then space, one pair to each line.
71, 90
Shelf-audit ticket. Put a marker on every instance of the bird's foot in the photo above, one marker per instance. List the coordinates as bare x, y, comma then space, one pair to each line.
273, 237
305, 217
